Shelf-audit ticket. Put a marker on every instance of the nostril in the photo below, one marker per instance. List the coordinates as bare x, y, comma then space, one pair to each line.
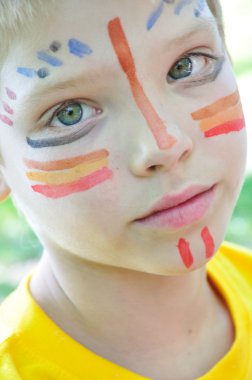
154, 168
185, 154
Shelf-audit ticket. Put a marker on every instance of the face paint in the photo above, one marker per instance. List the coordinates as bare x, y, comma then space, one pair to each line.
53, 61
208, 241
78, 48
27, 72
155, 15
43, 72
221, 117
4, 195
11, 94
7, 108
125, 58
78, 174
200, 8
185, 253
6, 120
179, 7
55, 46
61, 140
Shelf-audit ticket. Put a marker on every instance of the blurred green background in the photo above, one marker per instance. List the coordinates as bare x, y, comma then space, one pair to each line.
20, 249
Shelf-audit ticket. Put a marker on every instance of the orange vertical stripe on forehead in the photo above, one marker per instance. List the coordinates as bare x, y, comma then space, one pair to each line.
218, 106
67, 163
126, 60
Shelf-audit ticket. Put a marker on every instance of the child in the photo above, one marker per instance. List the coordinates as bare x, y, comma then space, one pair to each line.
122, 140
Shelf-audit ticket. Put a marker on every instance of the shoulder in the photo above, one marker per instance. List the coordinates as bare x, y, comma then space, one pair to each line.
233, 263
237, 256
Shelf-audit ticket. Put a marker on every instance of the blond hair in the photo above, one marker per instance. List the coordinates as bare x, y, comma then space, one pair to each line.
18, 15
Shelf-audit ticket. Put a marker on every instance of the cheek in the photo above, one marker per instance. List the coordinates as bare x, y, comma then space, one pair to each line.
222, 117
7, 107
58, 179
186, 253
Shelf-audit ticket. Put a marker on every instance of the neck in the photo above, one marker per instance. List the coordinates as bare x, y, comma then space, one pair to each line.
122, 313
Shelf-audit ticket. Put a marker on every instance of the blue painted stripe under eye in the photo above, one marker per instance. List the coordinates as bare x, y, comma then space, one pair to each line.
61, 140
155, 15
27, 72
181, 5
53, 61
78, 48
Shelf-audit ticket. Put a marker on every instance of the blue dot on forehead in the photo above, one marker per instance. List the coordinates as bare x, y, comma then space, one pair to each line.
43, 72
55, 46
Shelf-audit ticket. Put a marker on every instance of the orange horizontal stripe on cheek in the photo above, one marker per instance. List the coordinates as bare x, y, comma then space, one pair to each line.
218, 106
69, 175
67, 163
233, 113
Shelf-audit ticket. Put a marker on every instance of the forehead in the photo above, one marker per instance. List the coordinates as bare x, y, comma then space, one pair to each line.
141, 18
81, 27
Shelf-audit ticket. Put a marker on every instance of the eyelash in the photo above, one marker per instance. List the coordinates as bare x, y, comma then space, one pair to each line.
80, 129
210, 71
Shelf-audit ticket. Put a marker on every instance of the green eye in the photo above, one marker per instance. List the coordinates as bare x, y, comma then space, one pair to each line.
182, 69
71, 114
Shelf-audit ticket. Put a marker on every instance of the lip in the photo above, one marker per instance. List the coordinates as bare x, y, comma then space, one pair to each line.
179, 210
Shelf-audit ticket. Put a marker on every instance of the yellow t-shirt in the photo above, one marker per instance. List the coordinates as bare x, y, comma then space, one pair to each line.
32, 347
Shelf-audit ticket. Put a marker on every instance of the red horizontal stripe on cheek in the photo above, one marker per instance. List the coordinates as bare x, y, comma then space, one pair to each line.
224, 129
83, 184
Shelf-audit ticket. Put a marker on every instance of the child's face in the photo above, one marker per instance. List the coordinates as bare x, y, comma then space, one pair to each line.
111, 106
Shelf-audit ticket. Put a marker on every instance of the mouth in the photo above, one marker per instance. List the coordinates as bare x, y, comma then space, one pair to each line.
179, 210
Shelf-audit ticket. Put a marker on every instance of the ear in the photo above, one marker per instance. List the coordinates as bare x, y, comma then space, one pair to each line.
4, 188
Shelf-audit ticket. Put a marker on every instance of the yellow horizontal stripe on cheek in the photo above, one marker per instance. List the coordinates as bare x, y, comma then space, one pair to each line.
71, 175
233, 113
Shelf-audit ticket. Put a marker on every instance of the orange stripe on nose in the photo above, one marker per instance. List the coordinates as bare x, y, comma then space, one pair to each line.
126, 60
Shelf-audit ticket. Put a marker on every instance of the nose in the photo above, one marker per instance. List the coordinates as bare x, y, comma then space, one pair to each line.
147, 158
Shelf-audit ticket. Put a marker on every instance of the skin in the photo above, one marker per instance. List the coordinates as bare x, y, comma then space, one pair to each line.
119, 288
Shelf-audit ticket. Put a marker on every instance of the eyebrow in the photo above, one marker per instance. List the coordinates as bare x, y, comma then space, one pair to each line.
207, 25
203, 25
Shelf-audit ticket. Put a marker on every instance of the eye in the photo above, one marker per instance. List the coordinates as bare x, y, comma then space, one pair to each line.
182, 69
71, 113
195, 68
69, 122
